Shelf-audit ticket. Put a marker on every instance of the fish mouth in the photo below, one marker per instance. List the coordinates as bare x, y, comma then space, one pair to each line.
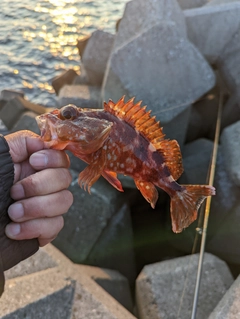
47, 124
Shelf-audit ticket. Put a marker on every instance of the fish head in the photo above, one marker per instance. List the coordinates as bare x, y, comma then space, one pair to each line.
72, 127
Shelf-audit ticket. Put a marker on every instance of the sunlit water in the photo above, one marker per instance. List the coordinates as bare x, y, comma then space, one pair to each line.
38, 40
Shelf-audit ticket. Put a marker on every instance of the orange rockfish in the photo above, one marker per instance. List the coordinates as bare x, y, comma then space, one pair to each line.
123, 138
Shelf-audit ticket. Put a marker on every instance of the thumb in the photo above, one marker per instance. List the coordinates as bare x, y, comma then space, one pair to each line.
22, 144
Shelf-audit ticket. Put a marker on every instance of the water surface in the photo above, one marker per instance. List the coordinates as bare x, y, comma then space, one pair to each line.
38, 40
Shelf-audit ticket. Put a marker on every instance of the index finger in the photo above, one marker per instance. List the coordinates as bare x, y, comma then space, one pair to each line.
22, 144
49, 158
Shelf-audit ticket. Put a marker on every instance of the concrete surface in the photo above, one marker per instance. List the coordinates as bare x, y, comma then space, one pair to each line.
229, 306
203, 25
141, 15
160, 287
53, 287
96, 54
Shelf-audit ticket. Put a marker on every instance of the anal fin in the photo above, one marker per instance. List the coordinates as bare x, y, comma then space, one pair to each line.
148, 190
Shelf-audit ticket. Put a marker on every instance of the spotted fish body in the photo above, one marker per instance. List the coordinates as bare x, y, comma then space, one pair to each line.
123, 138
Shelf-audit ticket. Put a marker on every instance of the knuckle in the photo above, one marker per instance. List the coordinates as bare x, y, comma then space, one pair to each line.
59, 224
27, 231
68, 198
68, 163
30, 185
57, 158
67, 176
64, 159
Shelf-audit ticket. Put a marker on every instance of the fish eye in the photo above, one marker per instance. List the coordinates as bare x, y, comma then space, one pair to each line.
68, 112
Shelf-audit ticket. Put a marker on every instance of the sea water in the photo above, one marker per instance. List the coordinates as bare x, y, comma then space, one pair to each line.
38, 40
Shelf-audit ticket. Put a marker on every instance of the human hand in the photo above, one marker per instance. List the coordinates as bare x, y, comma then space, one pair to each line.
40, 189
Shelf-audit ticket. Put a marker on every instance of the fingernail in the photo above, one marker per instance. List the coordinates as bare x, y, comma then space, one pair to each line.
12, 230
17, 191
38, 160
15, 211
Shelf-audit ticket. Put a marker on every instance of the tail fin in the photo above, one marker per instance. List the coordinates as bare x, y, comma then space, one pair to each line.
185, 204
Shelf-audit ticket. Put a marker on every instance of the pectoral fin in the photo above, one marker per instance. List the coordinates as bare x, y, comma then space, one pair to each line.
148, 190
92, 172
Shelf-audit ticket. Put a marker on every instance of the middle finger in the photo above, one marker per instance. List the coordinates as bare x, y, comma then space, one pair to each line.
41, 206
44, 182
49, 158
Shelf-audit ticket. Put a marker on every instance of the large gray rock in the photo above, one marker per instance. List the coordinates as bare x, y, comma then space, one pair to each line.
196, 159
229, 306
114, 247
229, 61
96, 54
80, 95
86, 219
166, 77
203, 118
140, 15
113, 282
40, 261
90, 305
206, 23
11, 111
67, 77
189, 4
218, 2
224, 240
97, 228
231, 110
2, 103
81, 44
48, 291
177, 128
26, 121
9, 94
49, 285
230, 139
3, 128
227, 195
15, 107
82, 78
223, 234
149, 71
160, 287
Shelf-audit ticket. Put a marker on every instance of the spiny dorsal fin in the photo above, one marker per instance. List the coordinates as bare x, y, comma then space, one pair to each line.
140, 119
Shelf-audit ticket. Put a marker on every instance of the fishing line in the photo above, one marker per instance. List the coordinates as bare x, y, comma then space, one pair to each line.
207, 207
203, 219
194, 250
